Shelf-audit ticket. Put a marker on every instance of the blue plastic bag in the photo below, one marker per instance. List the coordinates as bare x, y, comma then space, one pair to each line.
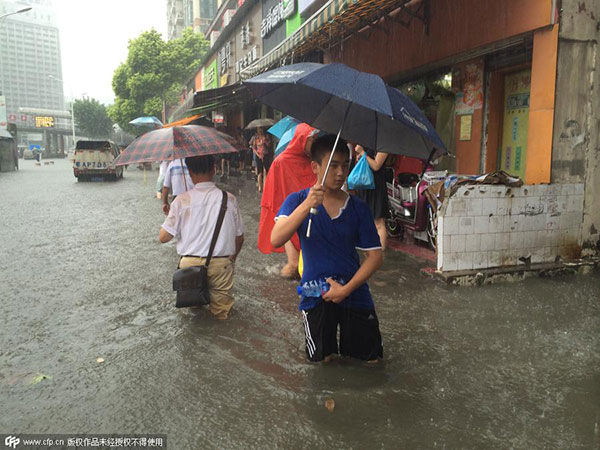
361, 176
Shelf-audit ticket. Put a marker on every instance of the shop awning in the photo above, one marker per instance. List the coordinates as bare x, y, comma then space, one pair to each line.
218, 98
5, 134
336, 20
183, 121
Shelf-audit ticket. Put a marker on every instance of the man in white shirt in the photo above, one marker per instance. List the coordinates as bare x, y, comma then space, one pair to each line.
192, 219
177, 179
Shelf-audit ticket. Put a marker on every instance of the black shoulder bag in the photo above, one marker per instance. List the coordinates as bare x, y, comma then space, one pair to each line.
191, 283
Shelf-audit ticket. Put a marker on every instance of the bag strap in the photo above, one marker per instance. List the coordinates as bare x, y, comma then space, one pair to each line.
217, 228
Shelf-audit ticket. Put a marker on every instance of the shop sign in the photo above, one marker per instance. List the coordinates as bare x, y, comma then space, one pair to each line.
44, 122
246, 35
218, 117
248, 59
224, 55
209, 81
277, 14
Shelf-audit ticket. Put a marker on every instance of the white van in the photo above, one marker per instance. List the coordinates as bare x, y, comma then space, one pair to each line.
92, 160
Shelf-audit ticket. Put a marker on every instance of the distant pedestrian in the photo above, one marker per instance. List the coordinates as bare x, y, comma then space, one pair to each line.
261, 145
177, 180
192, 219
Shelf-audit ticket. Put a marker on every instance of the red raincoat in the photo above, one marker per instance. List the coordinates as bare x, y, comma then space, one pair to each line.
290, 172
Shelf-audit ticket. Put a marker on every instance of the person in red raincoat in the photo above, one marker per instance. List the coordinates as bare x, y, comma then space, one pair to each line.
290, 172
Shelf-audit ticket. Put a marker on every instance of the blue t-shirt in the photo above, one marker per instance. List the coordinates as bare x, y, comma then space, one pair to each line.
330, 251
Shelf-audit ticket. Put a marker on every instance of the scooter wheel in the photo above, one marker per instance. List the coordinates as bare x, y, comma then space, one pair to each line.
393, 229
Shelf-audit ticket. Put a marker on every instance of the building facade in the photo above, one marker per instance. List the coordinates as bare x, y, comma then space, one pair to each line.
30, 55
508, 85
196, 14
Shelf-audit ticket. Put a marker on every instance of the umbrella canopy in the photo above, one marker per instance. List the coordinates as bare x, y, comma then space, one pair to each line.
260, 123
285, 139
146, 121
357, 105
281, 127
176, 142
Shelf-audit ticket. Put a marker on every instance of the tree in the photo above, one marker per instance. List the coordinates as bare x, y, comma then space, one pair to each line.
153, 71
91, 118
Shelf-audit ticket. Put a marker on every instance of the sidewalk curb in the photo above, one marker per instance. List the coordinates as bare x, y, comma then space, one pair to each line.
513, 273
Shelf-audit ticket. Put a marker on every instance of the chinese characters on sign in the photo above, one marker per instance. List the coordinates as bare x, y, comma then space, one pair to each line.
248, 59
224, 58
44, 122
277, 14
245, 36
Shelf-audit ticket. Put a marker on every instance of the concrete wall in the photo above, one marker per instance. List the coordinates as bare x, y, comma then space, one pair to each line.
576, 142
487, 226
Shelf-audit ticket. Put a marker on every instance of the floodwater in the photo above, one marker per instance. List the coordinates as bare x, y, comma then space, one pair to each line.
82, 276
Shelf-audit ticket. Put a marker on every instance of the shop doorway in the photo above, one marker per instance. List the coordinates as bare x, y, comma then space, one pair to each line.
515, 123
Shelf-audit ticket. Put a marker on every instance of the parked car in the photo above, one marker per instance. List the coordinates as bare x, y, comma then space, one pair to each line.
92, 160
28, 154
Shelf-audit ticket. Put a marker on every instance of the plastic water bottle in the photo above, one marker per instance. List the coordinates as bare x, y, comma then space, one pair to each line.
313, 288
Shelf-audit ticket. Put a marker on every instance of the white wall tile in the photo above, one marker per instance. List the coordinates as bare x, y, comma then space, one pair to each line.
465, 261
473, 243
489, 207
480, 224
496, 224
458, 243
538, 255
474, 206
450, 262
517, 240
579, 189
480, 260
487, 242
440, 225
458, 207
502, 241
440, 255
450, 225
446, 244
465, 225
503, 207
552, 222
494, 258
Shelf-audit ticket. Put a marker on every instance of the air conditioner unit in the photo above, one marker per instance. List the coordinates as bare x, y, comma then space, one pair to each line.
214, 35
227, 16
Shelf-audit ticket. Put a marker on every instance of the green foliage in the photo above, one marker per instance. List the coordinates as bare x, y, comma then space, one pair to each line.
154, 70
91, 118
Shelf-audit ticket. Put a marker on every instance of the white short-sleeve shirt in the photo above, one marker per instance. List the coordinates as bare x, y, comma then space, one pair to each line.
174, 177
193, 216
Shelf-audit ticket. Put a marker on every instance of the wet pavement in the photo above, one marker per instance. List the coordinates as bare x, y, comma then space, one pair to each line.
83, 276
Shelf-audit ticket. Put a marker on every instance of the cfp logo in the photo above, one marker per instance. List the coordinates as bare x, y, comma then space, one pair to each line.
12, 441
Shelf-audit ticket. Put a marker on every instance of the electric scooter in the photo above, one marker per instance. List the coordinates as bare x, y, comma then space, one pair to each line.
409, 207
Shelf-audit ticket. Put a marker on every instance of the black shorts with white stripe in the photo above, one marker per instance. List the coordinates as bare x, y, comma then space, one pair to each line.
359, 332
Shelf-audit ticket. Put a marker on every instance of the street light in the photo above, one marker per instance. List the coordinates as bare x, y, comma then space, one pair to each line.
72, 101
15, 12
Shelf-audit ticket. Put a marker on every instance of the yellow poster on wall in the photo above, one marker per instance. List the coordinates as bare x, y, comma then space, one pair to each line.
515, 128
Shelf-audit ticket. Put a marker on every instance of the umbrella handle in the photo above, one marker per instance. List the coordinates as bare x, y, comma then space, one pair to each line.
313, 211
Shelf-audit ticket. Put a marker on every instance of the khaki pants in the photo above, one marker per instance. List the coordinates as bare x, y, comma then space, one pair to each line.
220, 282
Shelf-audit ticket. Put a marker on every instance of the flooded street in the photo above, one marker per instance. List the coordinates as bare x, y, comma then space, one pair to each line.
84, 277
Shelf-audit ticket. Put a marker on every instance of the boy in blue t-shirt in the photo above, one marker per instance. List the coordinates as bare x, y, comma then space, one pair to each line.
343, 225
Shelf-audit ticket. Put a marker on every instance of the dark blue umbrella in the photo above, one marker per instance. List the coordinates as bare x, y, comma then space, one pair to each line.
357, 105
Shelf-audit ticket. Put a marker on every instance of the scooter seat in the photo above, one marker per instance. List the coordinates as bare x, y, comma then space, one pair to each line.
407, 179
